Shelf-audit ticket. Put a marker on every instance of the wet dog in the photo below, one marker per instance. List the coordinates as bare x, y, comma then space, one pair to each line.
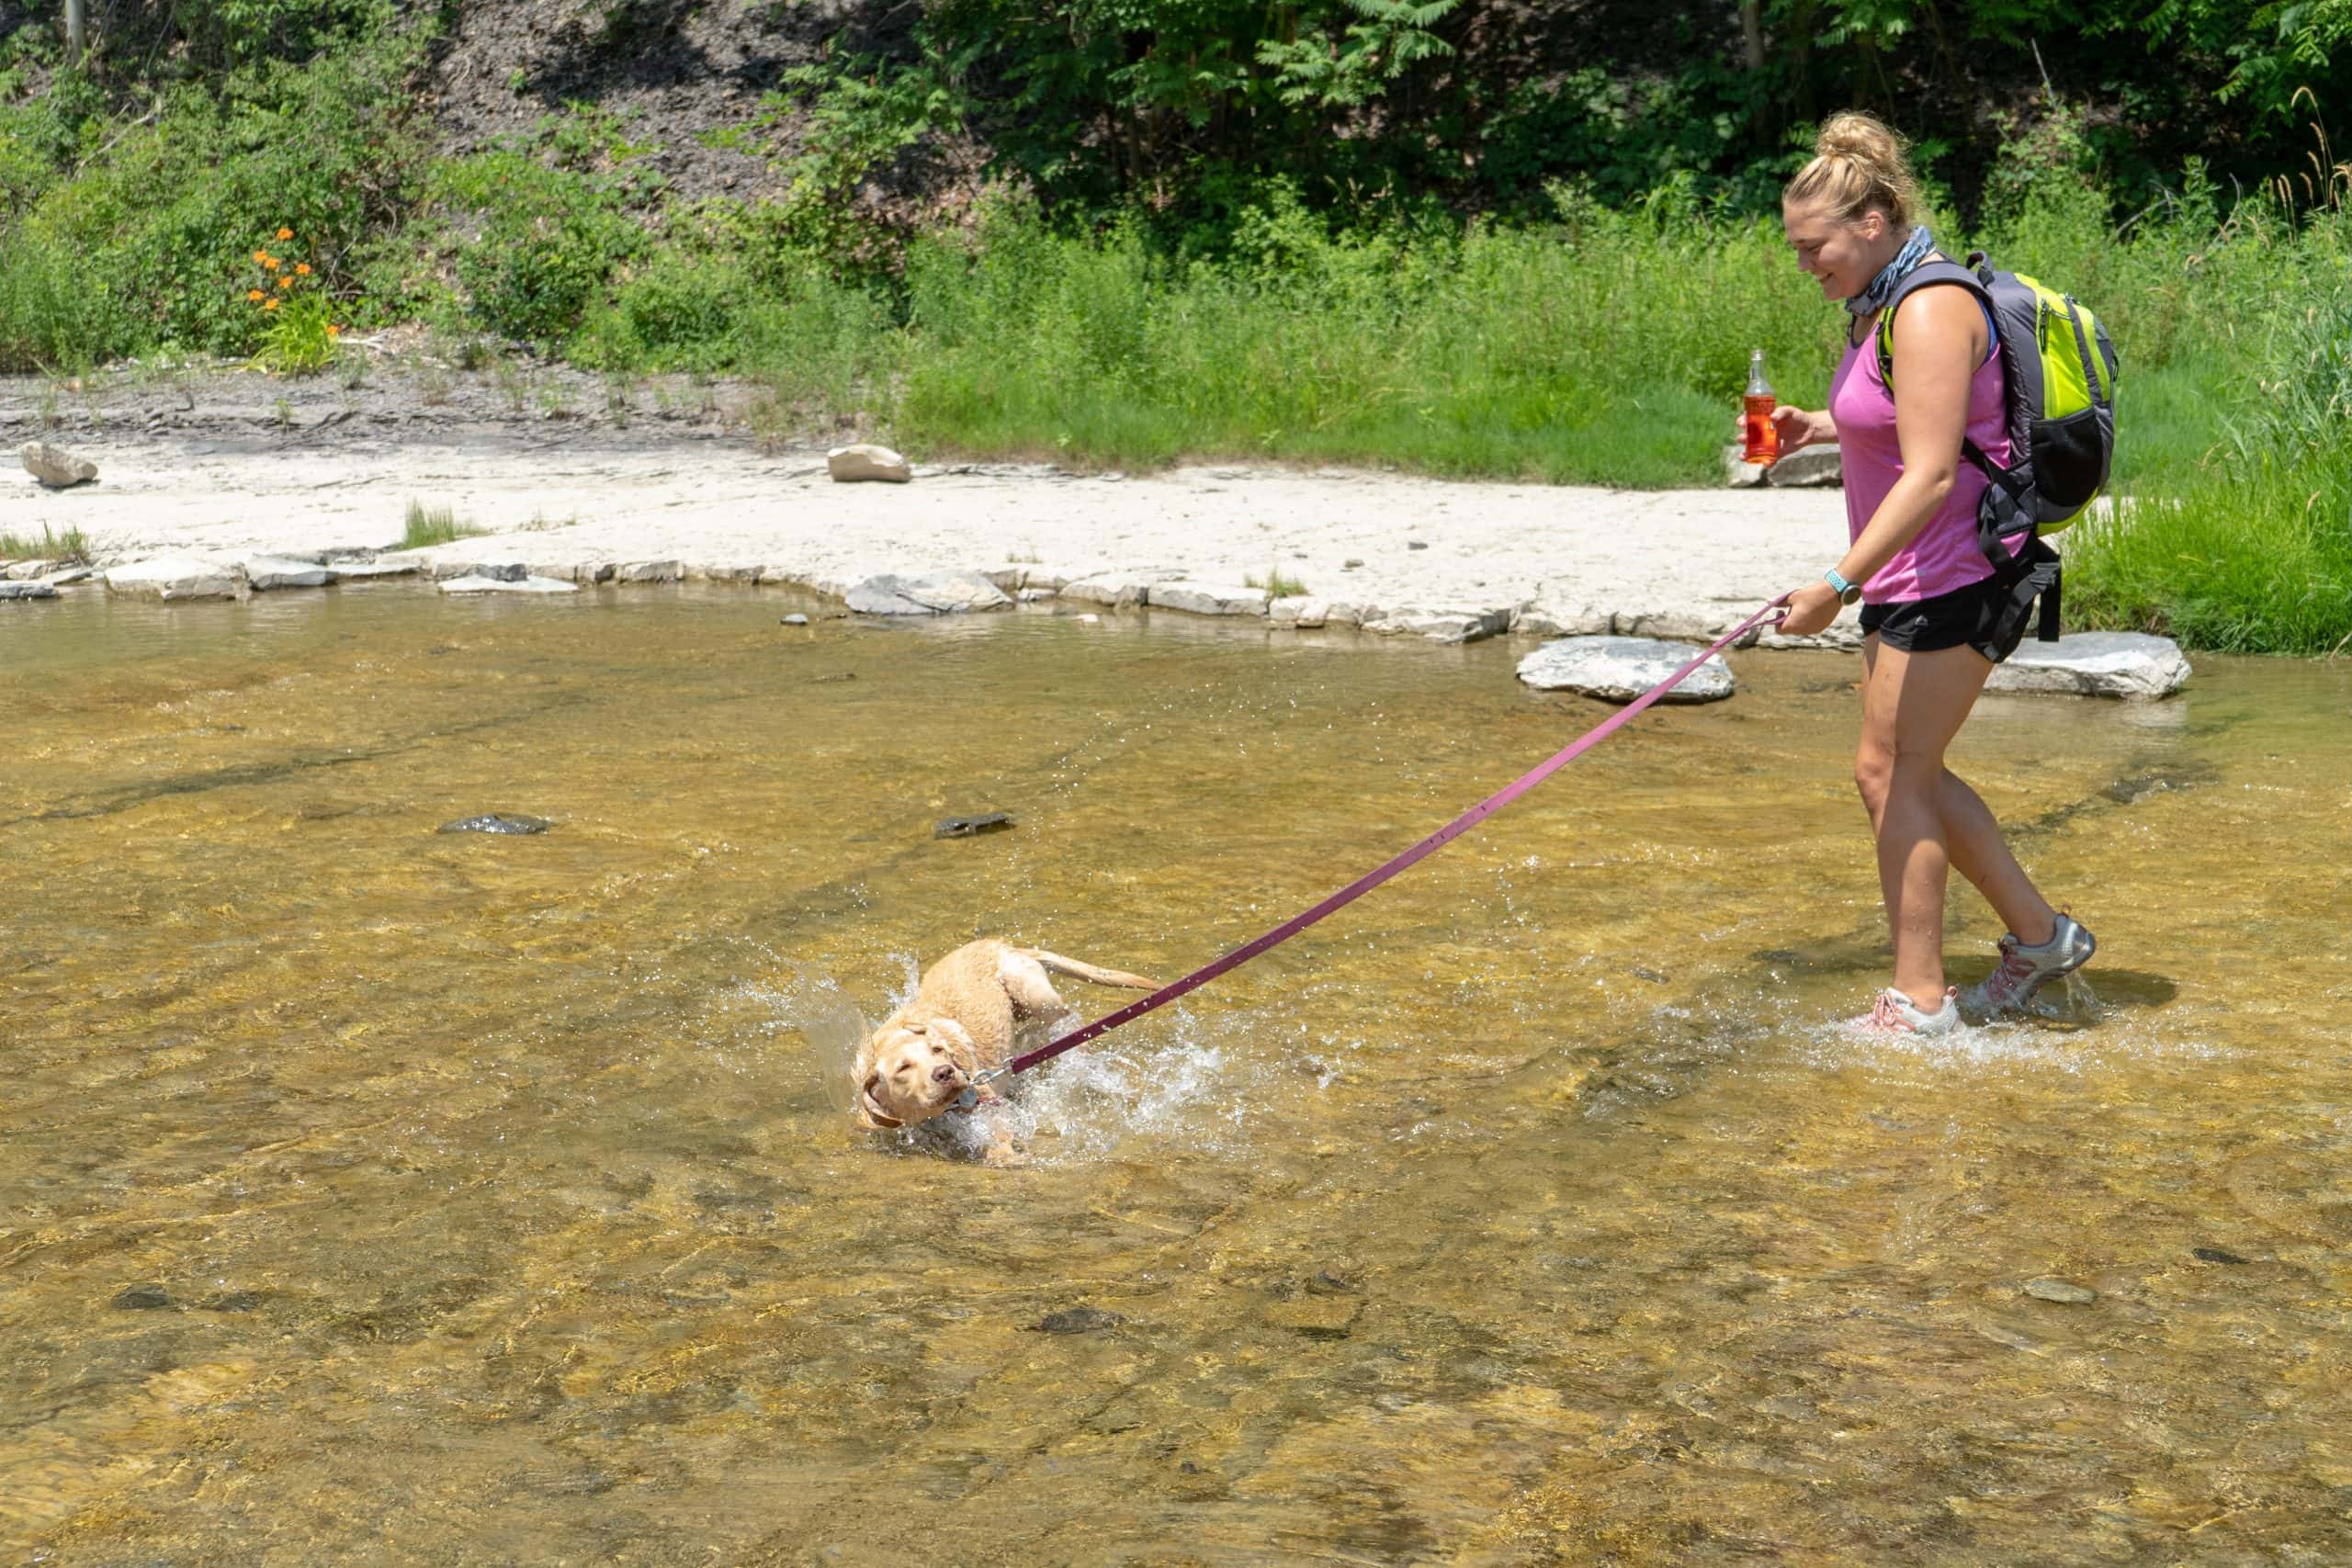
974, 1010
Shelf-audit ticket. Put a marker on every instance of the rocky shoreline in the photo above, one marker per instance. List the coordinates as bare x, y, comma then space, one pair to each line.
213, 502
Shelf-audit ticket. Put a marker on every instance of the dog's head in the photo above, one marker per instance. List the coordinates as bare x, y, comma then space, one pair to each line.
911, 1070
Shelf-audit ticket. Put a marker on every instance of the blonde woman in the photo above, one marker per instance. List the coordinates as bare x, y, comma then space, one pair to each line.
1937, 611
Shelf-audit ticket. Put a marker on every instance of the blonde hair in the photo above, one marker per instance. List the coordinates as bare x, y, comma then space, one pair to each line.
1859, 164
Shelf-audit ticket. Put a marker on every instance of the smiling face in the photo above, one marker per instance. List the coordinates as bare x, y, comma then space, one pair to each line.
1844, 254
917, 1068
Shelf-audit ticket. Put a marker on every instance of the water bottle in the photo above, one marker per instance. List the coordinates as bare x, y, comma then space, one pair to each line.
1763, 440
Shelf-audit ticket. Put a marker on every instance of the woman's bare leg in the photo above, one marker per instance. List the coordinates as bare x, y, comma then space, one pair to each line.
1913, 704
1972, 838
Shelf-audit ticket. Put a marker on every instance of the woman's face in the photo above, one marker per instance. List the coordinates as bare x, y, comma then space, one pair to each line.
1845, 256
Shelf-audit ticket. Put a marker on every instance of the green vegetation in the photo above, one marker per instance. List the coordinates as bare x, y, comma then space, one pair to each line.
434, 526
69, 546
1335, 230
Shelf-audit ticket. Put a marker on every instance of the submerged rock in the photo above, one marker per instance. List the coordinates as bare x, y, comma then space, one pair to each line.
142, 1298
931, 594
971, 827
496, 822
1077, 1320
2061, 1290
56, 468
27, 591
1619, 669
866, 461
2095, 664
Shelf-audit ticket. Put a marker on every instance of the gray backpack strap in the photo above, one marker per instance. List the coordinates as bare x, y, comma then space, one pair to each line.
1927, 275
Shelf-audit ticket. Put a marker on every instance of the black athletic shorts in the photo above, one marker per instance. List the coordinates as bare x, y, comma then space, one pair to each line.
1984, 616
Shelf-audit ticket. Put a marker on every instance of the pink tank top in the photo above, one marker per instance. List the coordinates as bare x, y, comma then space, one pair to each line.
1942, 557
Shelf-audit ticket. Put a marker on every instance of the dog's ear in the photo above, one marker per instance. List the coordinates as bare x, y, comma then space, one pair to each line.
869, 1112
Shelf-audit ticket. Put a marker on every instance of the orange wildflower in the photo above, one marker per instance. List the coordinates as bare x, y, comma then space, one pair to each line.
252, 293
270, 262
285, 283
333, 331
261, 258
302, 267
269, 305
285, 234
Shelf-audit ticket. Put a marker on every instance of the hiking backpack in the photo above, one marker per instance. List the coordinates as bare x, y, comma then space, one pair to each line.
2058, 369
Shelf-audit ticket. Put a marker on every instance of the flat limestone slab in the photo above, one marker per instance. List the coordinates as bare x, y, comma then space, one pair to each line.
1208, 598
273, 571
929, 594
374, 571
173, 578
2131, 665
507, 585
1619, 669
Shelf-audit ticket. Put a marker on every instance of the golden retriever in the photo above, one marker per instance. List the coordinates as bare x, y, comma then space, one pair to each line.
974, 1010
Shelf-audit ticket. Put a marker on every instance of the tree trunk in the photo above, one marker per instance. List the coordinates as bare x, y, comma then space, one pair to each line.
1751, 32
75, 33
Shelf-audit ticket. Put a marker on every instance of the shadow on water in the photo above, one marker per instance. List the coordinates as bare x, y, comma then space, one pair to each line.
475, 1198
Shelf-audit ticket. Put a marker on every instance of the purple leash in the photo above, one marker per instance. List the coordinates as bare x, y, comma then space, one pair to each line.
1365, 884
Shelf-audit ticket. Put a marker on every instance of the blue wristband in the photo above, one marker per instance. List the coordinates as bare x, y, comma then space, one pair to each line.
1847, 592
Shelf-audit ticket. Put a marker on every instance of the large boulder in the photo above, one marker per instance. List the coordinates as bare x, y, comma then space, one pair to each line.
55, 467
929, 594
2095, 664
1619, 668
848, 465
27, 591
173, 578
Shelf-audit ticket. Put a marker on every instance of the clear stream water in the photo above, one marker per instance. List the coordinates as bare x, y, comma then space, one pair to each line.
368, 1195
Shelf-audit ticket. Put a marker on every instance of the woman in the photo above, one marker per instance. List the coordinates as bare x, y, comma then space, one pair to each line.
1935, 618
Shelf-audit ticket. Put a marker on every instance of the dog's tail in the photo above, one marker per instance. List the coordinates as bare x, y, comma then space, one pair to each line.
1072, 967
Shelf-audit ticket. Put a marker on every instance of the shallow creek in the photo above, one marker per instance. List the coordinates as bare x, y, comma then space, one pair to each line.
373, 1195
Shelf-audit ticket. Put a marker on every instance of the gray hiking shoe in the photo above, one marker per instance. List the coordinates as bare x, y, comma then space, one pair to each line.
2024, 970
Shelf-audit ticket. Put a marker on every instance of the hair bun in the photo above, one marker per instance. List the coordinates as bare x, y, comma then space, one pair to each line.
1861, 138
1858, 163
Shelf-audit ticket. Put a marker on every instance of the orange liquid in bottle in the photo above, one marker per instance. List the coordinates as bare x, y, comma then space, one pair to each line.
1763, 439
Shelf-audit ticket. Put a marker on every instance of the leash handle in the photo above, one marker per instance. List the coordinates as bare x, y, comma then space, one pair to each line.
1370, 880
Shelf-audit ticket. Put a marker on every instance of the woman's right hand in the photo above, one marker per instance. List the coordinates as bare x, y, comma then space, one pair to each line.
1796, 428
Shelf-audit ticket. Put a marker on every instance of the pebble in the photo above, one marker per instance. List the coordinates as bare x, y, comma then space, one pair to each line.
796, 620
144, 1298
2215, 1255
2061, 1290
971, 827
